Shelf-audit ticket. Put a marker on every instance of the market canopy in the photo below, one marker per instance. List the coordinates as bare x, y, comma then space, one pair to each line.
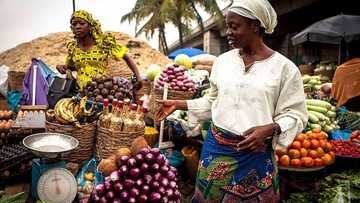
331, 30
187, 51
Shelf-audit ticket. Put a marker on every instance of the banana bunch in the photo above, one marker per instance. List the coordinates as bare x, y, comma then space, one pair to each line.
68, 111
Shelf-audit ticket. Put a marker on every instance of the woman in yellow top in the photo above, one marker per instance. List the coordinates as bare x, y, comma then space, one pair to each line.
88, 54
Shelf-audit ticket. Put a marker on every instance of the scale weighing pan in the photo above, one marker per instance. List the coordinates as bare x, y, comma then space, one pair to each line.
50, 145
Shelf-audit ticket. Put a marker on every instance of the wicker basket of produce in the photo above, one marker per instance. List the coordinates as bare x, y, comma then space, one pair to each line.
85, 135
16, 80
145, 89
306, 70
157, 94
107, 141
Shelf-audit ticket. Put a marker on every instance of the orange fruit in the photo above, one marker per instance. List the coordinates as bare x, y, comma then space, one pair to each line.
323, 143
284, 160
320, 152
315, 144
323, 135
316, 130
295, 163
313, 136
300, 137
307, 162
296, 145
303, 152
328, 147
294, 153
281, 152
306, 144
327, 159
313, 154
318, 162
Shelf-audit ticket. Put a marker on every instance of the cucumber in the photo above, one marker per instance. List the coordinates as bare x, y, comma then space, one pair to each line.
306, 78
313, 82
330, 114
313, 126
317, 108
313, 118
315, 102
321, 116
328, 129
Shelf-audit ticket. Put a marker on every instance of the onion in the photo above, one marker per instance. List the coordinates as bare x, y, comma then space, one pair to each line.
180, 74
155, 167
142, 199
118, 187
122, 161
173, 169
164, 169
144, 167
184, 88
150, 158
166, 80
132, 200
116, 200
114, 176
103, 200
128, 183
124, 196
172, 185
131, 162
134, 173
145, 189
155, 197
139, 183
172, 84
162, 191
100, 189
160, 159
110, 195
139, 158
155, 151
180, 84
164, 75
108, 185
187, 81
171, 67
144, 151
171, 77
154, 185
164, 199
164, 182
170, 72
147, 178
157, 176
96, 198
124, 170
177, 88
170, 193
189, 85
134, 192
177, 194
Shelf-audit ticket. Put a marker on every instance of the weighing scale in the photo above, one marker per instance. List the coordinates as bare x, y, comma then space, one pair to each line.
51, 182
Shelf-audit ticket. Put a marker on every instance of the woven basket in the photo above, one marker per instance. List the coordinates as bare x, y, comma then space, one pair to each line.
172, 95
16, 80
306, 70
107, 141
85, 135
145, 89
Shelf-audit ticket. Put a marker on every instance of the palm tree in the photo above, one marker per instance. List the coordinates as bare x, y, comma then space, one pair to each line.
158, 13
149, 10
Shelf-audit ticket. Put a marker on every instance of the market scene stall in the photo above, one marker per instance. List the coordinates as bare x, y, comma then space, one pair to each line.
119, 121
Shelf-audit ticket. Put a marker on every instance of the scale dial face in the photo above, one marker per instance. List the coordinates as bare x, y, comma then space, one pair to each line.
57, 185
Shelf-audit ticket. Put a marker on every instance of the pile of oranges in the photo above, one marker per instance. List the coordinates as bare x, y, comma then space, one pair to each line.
308, 150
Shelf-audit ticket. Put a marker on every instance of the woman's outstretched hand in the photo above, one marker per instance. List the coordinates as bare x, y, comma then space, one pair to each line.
167, 108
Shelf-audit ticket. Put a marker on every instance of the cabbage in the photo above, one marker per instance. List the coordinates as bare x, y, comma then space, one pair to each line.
152, 71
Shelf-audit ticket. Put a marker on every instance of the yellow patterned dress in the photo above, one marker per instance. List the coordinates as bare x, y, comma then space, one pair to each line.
93, 62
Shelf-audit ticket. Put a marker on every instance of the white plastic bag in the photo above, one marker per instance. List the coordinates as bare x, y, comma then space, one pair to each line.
4, 80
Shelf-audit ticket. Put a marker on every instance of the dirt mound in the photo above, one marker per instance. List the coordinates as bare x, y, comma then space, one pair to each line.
52, 50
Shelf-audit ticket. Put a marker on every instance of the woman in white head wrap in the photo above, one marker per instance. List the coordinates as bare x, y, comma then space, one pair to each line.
256, 102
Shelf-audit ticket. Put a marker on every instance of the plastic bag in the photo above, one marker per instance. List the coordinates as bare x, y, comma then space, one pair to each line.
13, 99
4, 80
87, 178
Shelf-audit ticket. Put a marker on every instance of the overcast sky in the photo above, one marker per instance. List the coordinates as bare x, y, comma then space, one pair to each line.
24, 20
